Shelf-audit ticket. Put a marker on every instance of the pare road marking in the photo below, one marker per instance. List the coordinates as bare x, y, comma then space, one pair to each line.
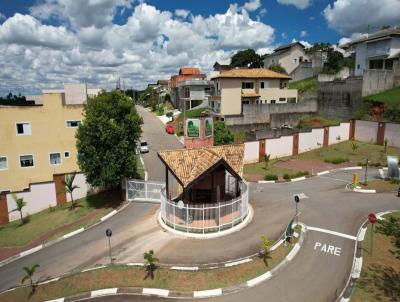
309, 228
327, 248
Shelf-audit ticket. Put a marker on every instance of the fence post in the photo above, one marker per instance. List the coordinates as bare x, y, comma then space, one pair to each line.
126, 189
174, 214
145, 190
219, 216
203, 218
232, 215
187, 218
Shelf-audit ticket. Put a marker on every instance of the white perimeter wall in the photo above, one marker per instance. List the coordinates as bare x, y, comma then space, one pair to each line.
39, 198
342, 131
82, 191
392, 134
366, 131
251, 152
279, 147
311, 140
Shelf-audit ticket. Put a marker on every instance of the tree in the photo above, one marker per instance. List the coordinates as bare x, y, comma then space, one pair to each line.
247, 58
318, 47
106, 139
70, 187
222, 135
266, 160
278, 68
354, 146
150, 263
334, 62
29, 272
20, 204
265, 247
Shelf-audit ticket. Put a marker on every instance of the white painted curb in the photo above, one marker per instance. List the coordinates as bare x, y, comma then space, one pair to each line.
238, 262
135, 264
56, 300
352, 168
259, 279
30, 251
73, 233
108, 215
323, 173
277, 244
293, 252
361, 235
103, 292
266, 181
207, 293
93, 268
357, 268
156, 292
49, 281
345, 300
364, 191
185, 268
298, 179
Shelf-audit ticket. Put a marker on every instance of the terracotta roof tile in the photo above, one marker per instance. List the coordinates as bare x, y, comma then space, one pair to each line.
259, 73
189, 164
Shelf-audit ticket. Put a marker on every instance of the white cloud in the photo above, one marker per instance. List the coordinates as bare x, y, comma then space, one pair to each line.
150, 45
352, 37
183, 13
263, 12
2, 17
305, 43
303, 33
350, 16
252, 5
300, 4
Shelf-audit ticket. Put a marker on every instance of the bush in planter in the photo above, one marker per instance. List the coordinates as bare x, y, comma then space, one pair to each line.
336, 160
271, 177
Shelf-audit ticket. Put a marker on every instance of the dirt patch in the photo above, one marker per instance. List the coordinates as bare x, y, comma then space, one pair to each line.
253, 177
381, 186
311, 166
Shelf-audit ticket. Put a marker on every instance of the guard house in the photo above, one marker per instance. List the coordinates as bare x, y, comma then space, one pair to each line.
211, 193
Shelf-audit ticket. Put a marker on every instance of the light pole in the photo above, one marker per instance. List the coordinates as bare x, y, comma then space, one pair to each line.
296, 201
109, 234
366, 171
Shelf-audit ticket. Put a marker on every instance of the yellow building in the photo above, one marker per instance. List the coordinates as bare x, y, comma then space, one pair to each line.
236, 87
38, 141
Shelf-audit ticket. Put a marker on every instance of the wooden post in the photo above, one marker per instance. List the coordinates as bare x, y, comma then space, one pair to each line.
295, 144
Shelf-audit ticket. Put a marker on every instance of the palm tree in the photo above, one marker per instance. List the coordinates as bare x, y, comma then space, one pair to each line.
29, 272
150, 263
265, 249
266, 160
20, 204
354, 146
70, 187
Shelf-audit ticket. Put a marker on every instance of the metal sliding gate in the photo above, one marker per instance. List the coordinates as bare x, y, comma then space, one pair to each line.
139, 190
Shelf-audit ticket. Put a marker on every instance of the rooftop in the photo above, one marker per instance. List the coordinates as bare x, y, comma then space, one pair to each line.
287, 46
189, 70
375, 36
189, 164
256, 73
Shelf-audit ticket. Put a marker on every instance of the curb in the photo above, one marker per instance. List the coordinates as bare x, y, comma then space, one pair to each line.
359, 190
66, 236
165, 293
355, 273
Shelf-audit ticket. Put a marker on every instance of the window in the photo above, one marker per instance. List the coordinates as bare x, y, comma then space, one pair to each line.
273, 101
291, 100
282, 85
24, 129
264, 84
66, 154
282, 99
295, 61
55, 158
73, 124
26, 161
3, 163
247, 85
358, 66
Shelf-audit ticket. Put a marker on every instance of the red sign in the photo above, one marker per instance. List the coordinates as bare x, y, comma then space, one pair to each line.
372, 218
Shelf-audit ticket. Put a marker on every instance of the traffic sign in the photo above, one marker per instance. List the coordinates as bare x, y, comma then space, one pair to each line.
108, 233
296, 198
372, 218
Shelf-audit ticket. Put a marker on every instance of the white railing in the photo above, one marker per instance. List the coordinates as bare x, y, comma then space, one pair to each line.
139, 190
205, 218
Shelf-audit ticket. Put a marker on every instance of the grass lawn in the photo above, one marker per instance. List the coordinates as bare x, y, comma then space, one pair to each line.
390, 97
309, 85
380, 275
374, 153
317, 121
381, 185
124, 276
16, 235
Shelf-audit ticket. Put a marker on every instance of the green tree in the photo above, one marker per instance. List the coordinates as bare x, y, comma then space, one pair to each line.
265, 249
278, 68
150, 263
318, 47
222, 135
150, 98
70, 187
20, 204
334, 62
247, 58
266, 160
106, 140
29, 272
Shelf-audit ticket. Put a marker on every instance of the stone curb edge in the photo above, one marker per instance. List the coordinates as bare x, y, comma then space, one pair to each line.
359, 190
310, 176
165, 293
66, 236
355, 273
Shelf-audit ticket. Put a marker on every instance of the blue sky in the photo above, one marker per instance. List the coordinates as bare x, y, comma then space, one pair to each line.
45, 43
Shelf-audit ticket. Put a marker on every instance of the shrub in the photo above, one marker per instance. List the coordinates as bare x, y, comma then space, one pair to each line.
336, 160
300, 174
286, 176
271, 177
375, 164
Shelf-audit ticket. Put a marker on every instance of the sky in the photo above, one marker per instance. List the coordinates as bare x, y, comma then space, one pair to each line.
46, 43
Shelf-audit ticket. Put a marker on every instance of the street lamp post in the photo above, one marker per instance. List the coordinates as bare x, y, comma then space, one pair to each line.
366, 171
109, 234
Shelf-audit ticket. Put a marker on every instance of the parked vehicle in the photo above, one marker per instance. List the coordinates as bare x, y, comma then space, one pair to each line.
144, 147
169, 129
